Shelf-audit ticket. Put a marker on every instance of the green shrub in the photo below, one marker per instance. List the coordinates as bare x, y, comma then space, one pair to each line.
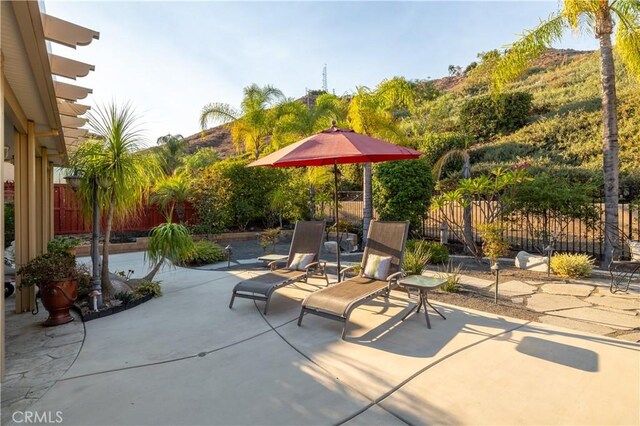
416, 258
453, 280
149, 287
402, 190
9, 224
434, 145
62, 244
493, 243
438, 253
204, 253
486, 116
569, 265
269, 238
124, 296
229, 195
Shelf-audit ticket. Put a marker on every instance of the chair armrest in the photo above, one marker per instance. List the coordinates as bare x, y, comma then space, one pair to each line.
394, 278
273, 265
313, 265
348, 268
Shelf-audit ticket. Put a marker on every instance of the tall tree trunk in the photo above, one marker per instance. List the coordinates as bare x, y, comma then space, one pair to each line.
367, 210
312, 201
466, 215
609, 141
106, 280
180, 212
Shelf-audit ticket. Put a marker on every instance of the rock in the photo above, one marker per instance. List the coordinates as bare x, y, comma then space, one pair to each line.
580, 290
550, 302
118, 285
602, 317
331, 247
531, 262
516, 288
615, 302
575, 325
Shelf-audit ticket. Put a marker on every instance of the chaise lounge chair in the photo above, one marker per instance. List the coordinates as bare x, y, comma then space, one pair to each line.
302, 262
380, 270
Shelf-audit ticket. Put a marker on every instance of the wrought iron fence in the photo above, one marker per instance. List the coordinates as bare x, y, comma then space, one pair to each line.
573, 236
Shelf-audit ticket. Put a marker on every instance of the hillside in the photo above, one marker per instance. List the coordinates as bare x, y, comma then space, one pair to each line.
219, 137
563, 129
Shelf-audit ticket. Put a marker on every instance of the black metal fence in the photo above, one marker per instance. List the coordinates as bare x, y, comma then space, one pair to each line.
572, 236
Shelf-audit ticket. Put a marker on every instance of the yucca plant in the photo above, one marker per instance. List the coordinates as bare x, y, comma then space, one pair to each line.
416, 258
168, 241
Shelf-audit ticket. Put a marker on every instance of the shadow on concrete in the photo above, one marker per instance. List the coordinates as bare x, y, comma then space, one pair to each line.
559, 353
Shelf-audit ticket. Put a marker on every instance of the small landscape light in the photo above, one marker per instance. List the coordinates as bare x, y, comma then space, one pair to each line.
229, 250
495, 267
94, 299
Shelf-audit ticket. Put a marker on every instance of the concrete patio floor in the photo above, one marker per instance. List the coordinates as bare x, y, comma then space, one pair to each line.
185, 358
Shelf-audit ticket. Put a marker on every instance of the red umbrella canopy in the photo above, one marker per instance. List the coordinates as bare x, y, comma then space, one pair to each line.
333, 146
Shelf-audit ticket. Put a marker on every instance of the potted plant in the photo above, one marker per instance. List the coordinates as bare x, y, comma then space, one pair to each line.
56, 275
67, 244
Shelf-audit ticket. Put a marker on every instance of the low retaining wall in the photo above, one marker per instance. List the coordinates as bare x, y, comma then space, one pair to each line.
142, 243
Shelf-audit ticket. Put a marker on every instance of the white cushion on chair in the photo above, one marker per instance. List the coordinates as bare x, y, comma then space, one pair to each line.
301, 260
377, 267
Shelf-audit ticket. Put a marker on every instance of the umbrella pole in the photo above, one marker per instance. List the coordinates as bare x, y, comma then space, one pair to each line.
335, 212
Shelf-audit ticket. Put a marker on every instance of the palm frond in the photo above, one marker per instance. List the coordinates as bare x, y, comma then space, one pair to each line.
628, 34
216, 112
439, 165
531, 45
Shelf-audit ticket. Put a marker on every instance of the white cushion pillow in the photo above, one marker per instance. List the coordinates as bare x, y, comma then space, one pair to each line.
377, 267
301, 260
634, 246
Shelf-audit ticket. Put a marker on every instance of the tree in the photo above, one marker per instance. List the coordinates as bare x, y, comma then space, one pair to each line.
296, 120
463, 154
251, 125
598, 17
403, 191
172, 150
123, 173
371, 113
171, 193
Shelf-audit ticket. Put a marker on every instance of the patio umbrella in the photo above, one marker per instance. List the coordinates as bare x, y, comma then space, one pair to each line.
332, 147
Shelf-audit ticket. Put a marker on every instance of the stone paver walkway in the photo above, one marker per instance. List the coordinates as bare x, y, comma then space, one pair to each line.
36, 357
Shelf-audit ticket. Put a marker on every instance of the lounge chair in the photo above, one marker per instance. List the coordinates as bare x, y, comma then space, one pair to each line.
386, 239
307, 240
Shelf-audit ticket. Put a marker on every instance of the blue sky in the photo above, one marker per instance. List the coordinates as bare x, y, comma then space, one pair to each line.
171, 58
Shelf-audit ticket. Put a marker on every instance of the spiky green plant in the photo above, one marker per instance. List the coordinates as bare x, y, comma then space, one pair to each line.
597, 17
114, 162
416, 258
170, 241
171, 193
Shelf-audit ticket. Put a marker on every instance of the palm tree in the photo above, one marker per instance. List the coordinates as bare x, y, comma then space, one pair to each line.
438, 167
297, 120
124, 174
371, 113
250, 125
171, 193
172, 149
598, 17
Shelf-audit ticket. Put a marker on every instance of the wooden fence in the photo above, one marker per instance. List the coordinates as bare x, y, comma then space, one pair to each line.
68, 218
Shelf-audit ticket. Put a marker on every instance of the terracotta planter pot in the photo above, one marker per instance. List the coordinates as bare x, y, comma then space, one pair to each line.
58, 297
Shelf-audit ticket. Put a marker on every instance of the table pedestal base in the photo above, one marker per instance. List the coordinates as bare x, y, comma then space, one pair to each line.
424, 301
